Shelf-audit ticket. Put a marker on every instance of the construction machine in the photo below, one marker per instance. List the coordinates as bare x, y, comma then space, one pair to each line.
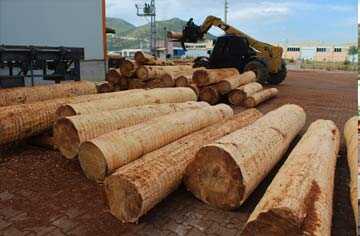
235, 49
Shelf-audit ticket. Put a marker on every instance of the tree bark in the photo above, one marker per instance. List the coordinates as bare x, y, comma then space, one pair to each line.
128, 68
137, 98
103, 155
226, 85
25, 95
203, 77
237, 96
70, 132
351, 138
113, 76
155, 72
163, 169
299, 201
227, 171
259, 97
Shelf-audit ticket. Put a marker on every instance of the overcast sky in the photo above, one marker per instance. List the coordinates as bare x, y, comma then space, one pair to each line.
332, 21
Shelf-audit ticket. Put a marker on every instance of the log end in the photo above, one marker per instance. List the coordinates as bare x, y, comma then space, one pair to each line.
278, 221
236, 97
200, 77
65, 110
66, 138
249, 102
124, 199
213, 177
181, 81
92, 162
142, 73
209, 95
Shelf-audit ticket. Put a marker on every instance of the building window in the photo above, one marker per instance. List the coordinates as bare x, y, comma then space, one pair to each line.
320, 49
293, 49
337, 50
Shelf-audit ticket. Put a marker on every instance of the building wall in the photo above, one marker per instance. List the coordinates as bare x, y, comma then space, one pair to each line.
72, 23
327, 53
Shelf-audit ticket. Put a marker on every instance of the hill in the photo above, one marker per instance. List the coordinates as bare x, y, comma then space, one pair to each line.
129, 36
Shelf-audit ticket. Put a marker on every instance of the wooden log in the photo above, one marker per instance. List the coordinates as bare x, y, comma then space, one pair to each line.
183, 80
203, 77
113, 76
25, 95
210, 95
174, 35
22, 121
142, 58
299, 200
164, 169
195, 88
351, 138
227, 84
70, 132
104, 87
237, 96
259, 97
155, 72
128, 68
167, 80
146, 97
101, 156
136, 84
226, 172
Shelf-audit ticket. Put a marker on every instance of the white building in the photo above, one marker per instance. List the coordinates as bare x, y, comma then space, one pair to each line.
69, 23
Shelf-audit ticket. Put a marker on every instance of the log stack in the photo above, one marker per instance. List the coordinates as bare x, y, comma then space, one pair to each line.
300, 198
164, 170
101, 156
226, 172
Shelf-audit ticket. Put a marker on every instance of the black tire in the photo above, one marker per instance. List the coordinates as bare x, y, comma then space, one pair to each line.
279, 77
201, 62
260, 69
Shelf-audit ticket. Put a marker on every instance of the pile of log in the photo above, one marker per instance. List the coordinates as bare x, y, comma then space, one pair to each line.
25, 120
228, 84
146, 71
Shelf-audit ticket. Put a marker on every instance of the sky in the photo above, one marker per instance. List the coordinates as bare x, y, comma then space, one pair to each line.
287, 21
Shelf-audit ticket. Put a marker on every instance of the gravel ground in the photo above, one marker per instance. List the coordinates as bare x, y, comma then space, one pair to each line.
41, 193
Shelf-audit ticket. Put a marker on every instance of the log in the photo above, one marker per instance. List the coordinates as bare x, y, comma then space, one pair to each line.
136, 84
351, 138
113, 76
155, 72
226, 172
226, 85
101, 156
210, 95
25, 95
195, 88
183, 80
259, 97
142, 58
25, 120
70, 132
104, 87
237, 96
299, 201
43, 140
128, 68
203, 77
174, 35
139, 98
164, 170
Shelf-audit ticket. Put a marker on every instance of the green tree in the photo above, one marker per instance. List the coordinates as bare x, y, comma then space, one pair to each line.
353, 50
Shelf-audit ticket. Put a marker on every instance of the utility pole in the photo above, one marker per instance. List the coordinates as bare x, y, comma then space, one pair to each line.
226, 7
148, 10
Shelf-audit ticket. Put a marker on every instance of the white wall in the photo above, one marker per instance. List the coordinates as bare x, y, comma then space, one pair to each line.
71, 23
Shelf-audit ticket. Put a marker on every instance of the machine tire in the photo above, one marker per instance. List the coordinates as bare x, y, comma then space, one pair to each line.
201, 62
279, 77
260, 69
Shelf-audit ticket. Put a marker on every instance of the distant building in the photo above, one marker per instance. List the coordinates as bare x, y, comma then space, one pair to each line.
317, 52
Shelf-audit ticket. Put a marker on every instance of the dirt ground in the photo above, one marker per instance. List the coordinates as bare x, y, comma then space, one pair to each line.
41, 193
